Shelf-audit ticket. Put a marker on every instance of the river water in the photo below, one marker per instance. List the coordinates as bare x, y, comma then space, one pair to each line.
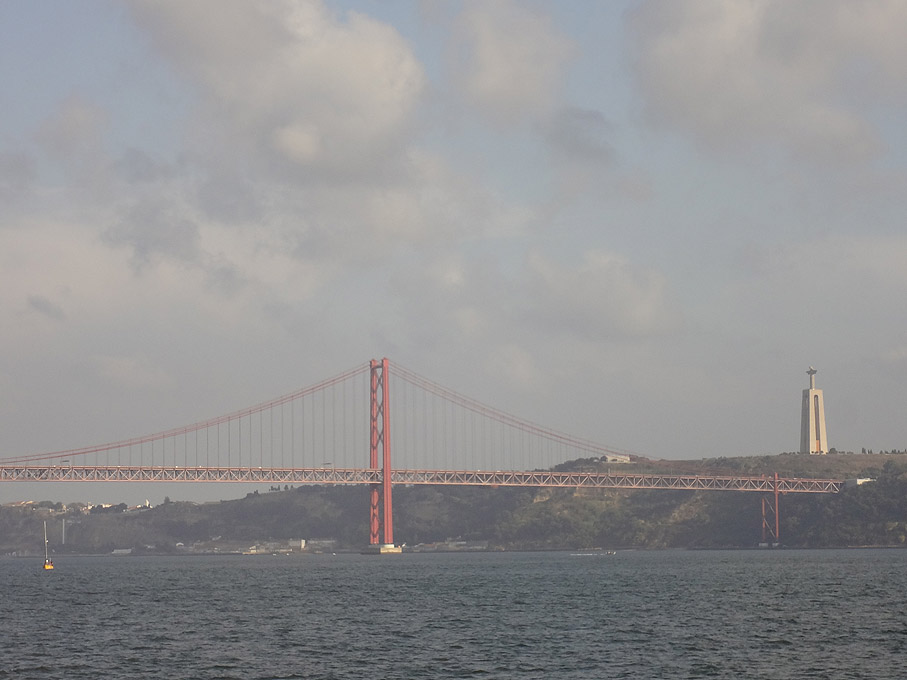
675, 614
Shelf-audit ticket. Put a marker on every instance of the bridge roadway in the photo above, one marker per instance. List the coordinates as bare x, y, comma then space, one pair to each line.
330, 475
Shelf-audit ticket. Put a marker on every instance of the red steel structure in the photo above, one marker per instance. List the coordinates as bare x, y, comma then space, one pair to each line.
70, 465
376, 477
380, 433
381, 479
771, 514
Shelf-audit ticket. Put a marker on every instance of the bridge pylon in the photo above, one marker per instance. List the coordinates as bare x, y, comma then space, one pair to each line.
771, 516
381, 522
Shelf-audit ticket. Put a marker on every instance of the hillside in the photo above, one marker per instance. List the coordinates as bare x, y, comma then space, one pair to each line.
841, 466
507, 518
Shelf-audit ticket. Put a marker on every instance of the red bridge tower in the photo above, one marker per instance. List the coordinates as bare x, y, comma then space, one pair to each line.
381, 514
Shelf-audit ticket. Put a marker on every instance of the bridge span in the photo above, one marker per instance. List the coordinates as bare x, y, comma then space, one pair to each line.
331, 475
282, 440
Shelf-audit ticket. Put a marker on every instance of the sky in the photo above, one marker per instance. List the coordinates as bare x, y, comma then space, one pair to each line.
637, 222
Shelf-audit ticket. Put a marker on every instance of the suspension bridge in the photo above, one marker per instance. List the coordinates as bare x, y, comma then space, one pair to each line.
320, 435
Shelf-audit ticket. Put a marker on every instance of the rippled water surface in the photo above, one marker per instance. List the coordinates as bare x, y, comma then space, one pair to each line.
785, 614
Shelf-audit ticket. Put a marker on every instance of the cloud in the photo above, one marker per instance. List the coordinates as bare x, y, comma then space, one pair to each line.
802, 76
516, 364
132, 372
42, 305
17, 171
582, 159
604, 298
534, 303
304, 146
296, 85
838, 263
831, 300
74, 131
509, 60
225, 195
151, 230
62, 274
137, 167
579, 135
896, 356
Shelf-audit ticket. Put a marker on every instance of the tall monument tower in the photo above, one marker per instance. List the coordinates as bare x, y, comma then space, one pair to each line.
813, 439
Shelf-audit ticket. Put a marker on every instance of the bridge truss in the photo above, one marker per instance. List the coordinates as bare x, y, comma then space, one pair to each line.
540, 478
277, 441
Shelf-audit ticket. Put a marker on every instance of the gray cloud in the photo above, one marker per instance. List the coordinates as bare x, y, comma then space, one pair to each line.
736, 75
604, 298
230, 198
17, 171
580, 136
298, 86
42, 305
151, 231
74, 131
508, 60
137, 167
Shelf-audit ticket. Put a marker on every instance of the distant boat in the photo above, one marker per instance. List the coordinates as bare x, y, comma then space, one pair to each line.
48, 564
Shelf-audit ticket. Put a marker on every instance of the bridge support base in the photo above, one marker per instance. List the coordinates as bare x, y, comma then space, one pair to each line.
383, 549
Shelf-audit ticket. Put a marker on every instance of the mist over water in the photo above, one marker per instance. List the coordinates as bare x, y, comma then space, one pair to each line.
676, 614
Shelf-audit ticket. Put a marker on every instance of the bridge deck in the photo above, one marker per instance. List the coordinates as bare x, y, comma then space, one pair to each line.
577, 480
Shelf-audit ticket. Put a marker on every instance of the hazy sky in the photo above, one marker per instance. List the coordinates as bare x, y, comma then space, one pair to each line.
637, 222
